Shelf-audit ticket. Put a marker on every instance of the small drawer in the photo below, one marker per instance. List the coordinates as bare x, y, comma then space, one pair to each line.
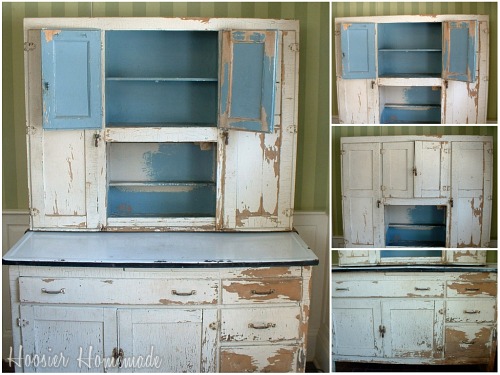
267, 290
470, 311
385, 288
118, 291
260, 324
262, 358
473, 289
472, 341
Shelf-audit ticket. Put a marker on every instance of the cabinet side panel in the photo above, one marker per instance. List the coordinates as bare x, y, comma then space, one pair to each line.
357, 101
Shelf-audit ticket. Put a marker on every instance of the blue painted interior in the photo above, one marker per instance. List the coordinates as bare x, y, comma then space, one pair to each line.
251, 82
409, 49
71, 80
410, 253
418, 225
409, 115
161, 77
179, 180
133, 201
358, 50
162, 103
459, 57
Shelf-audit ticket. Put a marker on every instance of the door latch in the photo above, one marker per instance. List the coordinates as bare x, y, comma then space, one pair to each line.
415, 171
118, 355
451, 202
97, 137
381, 329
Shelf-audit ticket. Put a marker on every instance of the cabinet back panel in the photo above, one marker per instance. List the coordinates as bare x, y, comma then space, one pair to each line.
161, 102
162, 162
411, 63
162, 201
409, 35
410, 253
422, 115
162, 54
408, 214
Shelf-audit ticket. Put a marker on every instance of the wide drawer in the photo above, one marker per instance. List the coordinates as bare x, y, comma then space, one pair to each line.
118, 291
473, 289
470, 310
385, 288
267, 290
469, 341
262, 358
270, 324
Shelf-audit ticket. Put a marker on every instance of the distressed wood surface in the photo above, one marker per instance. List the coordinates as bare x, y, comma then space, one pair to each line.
278, 358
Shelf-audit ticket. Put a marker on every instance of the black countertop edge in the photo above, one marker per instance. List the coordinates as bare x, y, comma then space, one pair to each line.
412, 268
159, 264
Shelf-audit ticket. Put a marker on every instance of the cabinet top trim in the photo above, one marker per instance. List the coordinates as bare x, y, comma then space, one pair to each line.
156, 23
434, 268
160, 250
405, 138
418, 18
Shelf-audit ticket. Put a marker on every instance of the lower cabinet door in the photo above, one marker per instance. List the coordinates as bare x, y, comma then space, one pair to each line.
66, 339
413, 328
167, 340
356, 326
468, 341
262, 358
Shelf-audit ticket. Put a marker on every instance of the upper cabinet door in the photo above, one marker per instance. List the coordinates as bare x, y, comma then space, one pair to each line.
71, 79
459, 55
358, 50
248, 76
397, 169
432, 169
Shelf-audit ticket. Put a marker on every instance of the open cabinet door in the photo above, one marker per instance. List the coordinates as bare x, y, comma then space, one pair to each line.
248, 76
257, 144
358, 50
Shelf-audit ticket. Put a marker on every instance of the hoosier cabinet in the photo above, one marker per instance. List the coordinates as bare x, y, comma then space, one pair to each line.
161, 168
417, 191
414, 307
412, 69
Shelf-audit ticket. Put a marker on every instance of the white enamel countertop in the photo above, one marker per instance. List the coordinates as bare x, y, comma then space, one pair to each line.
171, 249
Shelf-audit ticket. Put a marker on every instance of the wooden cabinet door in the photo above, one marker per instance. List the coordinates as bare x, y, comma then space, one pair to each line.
355, 325
358, 101
465, 256
413, 328
432, 169
358, 257
78, 337
471, 180
397, 169
256, 170
358, 50
361, 200
179, 340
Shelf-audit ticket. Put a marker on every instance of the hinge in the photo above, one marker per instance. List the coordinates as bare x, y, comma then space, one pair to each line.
292, 129
294, 47
29, 46
337, 32
288, 212
30, 130
342, 152
34, 212
382, 187
22, 322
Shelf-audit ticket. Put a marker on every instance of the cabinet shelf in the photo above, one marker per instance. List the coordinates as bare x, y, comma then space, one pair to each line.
162, 79
410, 50
161, 125
160, 185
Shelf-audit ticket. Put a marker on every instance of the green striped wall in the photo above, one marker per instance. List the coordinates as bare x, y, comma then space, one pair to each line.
358, 131
313, 147
357, 9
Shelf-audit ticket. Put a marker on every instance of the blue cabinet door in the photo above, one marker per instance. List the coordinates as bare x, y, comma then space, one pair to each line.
71, 79
248, 76
460, 39
358, 50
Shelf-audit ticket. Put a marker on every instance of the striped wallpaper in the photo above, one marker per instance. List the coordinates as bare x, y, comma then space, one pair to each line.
352, 9
357, 131
313, 147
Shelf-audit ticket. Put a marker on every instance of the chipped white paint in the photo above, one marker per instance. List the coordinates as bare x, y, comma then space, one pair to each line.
389, 323
393, 172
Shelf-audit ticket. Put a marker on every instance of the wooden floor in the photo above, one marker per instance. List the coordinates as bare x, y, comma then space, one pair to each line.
378, 367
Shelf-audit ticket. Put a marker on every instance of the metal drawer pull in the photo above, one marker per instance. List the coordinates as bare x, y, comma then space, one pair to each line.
472, 289
342, 289
176, 293
471, 311
265, 293
468, 342
61, 291
417, 288
263, 326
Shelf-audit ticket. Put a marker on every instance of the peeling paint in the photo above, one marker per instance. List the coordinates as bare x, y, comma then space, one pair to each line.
48, 280
267, 272
49, 34
473, 288
288, 289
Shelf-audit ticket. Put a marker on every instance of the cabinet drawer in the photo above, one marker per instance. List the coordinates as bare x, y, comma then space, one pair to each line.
118, 291
264, 358
270, 290
384, 288
472, 341
474, 289
470, 310
260, 324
